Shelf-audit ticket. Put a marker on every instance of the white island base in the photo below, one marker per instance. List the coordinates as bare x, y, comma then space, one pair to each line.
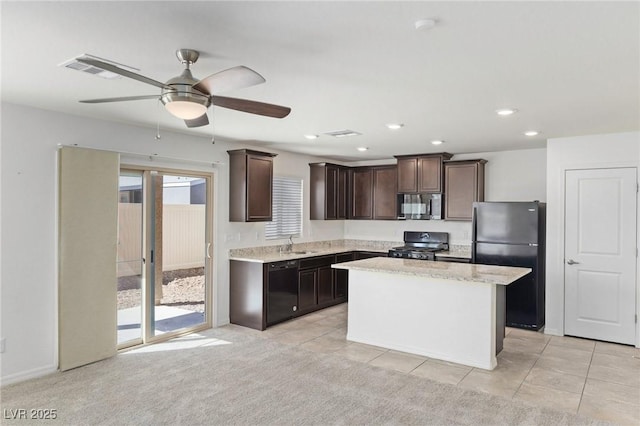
456, 320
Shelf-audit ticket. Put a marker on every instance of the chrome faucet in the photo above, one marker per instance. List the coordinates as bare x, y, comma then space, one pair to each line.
290, 244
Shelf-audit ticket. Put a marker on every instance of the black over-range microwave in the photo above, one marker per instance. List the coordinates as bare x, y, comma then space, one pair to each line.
420, 206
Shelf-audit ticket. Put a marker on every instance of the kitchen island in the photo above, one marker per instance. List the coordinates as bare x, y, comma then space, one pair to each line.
449, 311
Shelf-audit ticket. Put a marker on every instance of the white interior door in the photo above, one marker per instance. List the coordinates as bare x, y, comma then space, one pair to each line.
600, 254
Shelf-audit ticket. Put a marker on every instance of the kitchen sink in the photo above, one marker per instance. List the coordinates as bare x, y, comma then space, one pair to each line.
303, 252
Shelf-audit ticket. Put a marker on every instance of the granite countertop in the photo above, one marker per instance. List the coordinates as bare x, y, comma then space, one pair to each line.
489, 274
266, 254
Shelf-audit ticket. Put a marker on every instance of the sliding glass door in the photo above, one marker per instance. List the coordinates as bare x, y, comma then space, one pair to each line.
175, 262
180, 253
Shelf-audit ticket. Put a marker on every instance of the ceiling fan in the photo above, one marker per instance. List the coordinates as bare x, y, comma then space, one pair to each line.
188, 98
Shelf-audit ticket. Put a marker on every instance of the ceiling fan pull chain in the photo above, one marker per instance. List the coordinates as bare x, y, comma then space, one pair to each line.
213, 122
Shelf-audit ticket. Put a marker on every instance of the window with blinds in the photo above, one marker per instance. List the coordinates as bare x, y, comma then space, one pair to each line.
287, 209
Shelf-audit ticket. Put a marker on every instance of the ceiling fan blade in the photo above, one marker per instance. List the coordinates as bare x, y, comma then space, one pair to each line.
125, 98
122, 72
252, 107
233, 78
203, 120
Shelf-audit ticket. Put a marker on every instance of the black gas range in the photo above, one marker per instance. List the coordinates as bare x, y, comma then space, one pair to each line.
421, 245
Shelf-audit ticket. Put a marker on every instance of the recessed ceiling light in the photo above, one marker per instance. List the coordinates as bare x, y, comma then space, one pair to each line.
425, 24
531, 133
395, 126
437, 142
363, 149
505, 111
311, 136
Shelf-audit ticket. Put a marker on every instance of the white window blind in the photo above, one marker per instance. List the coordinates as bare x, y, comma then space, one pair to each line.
287, 209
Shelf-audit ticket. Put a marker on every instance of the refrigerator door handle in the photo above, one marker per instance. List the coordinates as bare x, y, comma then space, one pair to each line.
474, 230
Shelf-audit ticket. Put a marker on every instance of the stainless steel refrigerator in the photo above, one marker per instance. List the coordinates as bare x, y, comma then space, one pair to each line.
513, 234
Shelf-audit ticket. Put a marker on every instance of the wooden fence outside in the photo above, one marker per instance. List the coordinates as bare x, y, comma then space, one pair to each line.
183, 237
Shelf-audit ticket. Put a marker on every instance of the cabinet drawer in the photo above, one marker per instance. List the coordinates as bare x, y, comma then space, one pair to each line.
317, 262
344, 257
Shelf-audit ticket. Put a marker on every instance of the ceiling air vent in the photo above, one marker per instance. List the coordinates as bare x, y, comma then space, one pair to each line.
343, 133
90, 69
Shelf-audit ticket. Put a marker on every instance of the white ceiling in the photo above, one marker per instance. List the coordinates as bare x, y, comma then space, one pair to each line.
570, 68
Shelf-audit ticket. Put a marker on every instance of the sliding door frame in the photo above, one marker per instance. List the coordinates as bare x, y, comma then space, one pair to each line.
148, 245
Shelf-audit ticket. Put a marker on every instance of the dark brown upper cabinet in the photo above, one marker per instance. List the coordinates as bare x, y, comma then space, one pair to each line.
384, 192
421, 173
374, 192
329, 198
464, 184
362, 193
250, 186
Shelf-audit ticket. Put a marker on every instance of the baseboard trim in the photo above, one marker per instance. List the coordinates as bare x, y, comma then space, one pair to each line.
26, 375
553, 332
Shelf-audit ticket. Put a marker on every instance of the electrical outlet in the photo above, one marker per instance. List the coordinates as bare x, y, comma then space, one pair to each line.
229, 237
3, 344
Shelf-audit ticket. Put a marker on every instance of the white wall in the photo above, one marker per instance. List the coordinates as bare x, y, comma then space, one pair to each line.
596, 151
28, 276
509, 176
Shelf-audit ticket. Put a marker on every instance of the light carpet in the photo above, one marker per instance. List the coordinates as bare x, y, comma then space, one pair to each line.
226, 377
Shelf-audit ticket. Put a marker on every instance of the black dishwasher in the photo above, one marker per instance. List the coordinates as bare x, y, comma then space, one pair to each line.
282, 291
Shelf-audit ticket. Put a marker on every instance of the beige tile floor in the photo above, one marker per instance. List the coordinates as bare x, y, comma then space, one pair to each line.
594, 379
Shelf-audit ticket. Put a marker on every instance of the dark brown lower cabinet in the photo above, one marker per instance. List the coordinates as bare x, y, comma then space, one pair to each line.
369, 254
319, 286
307, 285
315, 281
325, 285
341, 278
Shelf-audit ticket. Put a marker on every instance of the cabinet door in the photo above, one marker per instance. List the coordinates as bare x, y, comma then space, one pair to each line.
331, 197
307, 284
325, 284
407, 175
362, 194
384, 193
341, 278
430, 174
464, 184
343, 193
259, 186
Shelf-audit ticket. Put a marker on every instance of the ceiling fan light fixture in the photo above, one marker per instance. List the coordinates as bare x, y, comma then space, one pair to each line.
186, 110
187, 106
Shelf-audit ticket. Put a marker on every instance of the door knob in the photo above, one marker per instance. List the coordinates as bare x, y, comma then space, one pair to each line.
572, 262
